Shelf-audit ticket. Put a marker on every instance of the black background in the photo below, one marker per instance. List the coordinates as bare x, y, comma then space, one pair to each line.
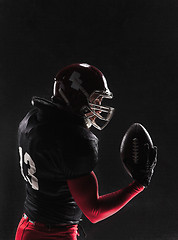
134, 43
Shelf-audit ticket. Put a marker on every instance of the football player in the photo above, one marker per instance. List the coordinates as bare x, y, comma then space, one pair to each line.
58, 153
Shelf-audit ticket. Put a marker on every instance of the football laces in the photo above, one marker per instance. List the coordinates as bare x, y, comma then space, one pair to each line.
135, 150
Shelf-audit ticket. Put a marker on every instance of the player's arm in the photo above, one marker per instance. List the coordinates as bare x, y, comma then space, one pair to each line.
96, 208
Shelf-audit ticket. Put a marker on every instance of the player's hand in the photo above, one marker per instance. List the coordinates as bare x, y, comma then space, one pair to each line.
144, 171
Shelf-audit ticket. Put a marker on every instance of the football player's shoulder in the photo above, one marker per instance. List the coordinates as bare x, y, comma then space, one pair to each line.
85, 133
84, 140
81, 154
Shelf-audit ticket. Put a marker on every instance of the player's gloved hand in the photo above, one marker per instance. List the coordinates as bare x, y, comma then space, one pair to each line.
144, 170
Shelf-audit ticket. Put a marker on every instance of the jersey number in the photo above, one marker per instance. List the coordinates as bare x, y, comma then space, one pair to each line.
31, 169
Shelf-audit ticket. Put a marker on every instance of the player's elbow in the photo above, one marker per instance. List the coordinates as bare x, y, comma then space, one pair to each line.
93, 216
93, 220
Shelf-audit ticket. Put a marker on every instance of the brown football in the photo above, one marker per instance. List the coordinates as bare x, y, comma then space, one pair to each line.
132, 146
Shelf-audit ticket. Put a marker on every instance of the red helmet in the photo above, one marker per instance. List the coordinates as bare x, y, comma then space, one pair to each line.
83, 87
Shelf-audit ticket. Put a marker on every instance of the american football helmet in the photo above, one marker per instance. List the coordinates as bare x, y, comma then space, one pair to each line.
83, 87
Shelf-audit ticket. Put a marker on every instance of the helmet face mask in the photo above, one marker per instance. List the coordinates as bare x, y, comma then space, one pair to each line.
98, 111
83, 87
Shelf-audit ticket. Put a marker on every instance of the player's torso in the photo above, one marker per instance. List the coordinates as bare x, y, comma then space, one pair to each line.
43, 142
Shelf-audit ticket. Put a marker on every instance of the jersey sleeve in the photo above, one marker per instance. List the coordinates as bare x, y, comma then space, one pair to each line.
79, 153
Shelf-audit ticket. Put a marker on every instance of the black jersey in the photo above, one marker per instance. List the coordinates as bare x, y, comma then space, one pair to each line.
54, 145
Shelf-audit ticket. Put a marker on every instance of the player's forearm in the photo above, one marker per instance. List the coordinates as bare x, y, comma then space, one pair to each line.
111, 203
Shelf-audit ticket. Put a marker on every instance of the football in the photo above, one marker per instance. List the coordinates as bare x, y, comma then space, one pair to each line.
133, 146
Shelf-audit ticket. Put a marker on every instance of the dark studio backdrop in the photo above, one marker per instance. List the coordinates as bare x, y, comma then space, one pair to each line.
134, 43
